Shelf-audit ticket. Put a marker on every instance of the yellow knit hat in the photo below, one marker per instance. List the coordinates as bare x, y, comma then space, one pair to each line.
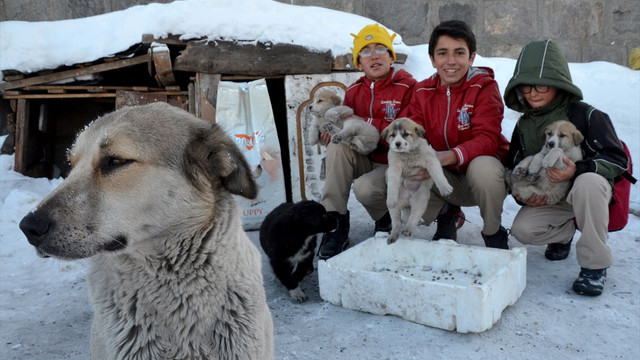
371, 34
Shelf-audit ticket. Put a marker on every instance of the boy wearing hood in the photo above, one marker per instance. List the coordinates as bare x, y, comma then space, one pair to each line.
461, 109
542, 90
380, 96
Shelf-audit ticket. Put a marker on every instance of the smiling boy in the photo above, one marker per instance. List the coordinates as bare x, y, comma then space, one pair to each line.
461, 109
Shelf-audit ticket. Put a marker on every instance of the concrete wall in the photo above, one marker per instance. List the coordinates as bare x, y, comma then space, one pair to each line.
587, 30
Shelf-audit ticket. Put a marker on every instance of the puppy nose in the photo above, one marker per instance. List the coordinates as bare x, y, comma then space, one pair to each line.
35, 227
551, 144
398, 144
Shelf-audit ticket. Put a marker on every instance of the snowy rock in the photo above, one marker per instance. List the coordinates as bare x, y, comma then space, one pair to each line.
436, 283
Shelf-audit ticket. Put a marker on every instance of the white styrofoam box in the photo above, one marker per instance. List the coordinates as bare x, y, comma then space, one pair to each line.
436, 283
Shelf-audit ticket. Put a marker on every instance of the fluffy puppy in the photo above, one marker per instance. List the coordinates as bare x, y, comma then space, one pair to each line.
530, 175
329, 115
288, 238
407, 199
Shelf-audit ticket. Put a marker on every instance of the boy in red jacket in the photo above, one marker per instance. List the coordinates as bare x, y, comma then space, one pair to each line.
461, 109
380, 96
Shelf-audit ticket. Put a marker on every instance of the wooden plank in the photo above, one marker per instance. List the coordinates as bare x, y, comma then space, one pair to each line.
162, 64
261, 59
22, 136
87, 95
74, 73
207, 84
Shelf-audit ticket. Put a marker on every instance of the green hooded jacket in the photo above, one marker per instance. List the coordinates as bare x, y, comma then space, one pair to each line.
542, 63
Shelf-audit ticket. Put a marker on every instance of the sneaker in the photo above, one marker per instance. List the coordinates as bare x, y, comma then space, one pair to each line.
558, 251
499, 240
384, 223
449, 222
590, 282
334, 242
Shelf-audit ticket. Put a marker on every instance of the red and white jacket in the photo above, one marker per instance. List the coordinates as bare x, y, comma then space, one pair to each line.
380, 102
466, 118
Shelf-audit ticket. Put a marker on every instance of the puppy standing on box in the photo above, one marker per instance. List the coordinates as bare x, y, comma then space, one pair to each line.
407, 199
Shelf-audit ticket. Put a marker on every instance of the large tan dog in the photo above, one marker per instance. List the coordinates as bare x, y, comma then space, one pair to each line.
407, 199
530, 175
338, 120
172, 273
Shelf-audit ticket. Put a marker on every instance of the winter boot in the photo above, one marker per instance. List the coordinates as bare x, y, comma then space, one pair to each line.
590, 282
384, 223
450, 219
499, 240
558, 251
334, 242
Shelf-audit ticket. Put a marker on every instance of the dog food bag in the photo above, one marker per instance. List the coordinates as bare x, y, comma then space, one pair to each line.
244, 111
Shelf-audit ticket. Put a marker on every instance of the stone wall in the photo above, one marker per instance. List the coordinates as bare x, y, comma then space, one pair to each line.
587, 30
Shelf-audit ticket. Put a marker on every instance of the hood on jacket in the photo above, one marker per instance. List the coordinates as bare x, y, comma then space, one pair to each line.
539, 63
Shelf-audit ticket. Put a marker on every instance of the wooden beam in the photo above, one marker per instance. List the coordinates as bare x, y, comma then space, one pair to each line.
22, 136
86, 95
261, 59
207, 96
74, 73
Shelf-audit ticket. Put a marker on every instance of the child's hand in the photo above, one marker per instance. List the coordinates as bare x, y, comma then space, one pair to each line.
556, 176
325, 138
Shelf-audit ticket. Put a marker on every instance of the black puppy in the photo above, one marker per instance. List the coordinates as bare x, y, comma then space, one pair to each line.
288, 237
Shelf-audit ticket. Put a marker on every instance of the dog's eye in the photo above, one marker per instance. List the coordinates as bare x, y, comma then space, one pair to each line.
111, 163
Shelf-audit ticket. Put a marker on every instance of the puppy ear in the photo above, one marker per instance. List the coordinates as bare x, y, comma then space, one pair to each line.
385, 132
420, 130
577, 137
212, 157
336, 100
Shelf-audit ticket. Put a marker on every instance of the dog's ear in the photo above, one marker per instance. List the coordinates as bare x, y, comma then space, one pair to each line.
336, 100
420, 131
577, 137
385, 132
214, 155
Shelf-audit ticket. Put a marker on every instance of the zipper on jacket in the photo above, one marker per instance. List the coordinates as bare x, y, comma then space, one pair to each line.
446, 120
373, 83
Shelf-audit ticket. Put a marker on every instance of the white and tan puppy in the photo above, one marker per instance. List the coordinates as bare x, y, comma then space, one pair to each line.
407, 199
329, 116
149, 200
530, 175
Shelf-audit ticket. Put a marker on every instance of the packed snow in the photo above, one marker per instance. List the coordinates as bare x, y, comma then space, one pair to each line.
44, 307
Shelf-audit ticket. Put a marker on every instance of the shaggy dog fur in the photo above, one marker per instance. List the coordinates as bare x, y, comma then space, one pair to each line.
407, 199
288, 237
329, 115
172, 274
530, 175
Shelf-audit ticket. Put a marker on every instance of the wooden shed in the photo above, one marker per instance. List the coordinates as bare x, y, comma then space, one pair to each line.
49, 107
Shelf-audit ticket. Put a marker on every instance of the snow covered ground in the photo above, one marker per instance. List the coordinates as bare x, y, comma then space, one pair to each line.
44, 308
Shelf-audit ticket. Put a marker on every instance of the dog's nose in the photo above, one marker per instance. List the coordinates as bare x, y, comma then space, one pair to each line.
398, 144
551, 144
35, 227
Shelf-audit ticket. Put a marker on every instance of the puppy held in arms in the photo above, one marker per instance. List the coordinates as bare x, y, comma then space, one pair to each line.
407, 199
530, 175
338, 120
288, 238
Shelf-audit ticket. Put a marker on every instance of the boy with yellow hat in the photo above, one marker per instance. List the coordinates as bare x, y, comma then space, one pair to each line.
379, 97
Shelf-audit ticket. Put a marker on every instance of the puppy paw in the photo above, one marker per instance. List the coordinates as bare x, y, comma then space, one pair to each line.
327, 127
393, 237
445, 189
298, 295
332, 115
519, 172
532, 178
336, 139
